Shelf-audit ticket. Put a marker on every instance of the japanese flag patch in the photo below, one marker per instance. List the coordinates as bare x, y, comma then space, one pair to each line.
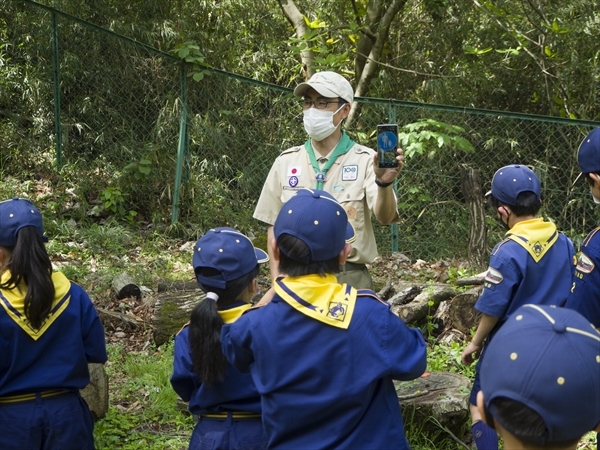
294, 171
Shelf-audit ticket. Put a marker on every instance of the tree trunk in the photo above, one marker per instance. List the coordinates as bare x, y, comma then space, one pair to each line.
471, 187
295, 18
376, 39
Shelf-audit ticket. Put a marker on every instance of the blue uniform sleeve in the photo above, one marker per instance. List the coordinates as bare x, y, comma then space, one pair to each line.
183, 380
406, 348
501, 281
93, 332
236, 343
585, 293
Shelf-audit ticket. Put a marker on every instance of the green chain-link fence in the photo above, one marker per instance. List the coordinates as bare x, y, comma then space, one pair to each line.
118, 111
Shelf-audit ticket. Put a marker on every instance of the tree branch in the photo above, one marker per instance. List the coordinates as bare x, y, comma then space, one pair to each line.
296, 19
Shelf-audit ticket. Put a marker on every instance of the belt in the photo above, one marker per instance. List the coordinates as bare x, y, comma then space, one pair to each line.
29, 397
353, 266
235, 415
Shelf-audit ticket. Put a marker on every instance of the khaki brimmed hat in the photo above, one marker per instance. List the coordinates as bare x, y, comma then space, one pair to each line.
329, 85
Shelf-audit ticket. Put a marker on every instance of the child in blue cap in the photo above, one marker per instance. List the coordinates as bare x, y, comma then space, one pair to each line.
49, 332
323, 355
585, 295
224, 401
540, 380
532, 264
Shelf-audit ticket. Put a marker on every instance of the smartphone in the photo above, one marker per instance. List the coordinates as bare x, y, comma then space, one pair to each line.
387, 145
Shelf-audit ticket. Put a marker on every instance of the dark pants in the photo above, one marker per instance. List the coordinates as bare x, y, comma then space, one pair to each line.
228, 434
62, 422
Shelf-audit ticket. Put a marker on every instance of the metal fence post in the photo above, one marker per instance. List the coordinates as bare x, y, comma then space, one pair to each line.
394, 226
182, 145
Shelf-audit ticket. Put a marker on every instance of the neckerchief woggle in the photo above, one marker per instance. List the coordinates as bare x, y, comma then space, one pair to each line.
13, 302
341, 148
535, 236
320, 298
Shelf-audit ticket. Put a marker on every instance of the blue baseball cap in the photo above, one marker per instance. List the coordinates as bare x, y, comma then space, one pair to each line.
229, 252
317, 219
588, 155
510, 181
548, 359
15, 214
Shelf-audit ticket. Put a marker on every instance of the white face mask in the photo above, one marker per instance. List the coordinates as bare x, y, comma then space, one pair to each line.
318, 123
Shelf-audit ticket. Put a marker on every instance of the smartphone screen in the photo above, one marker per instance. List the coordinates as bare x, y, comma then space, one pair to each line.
387, 144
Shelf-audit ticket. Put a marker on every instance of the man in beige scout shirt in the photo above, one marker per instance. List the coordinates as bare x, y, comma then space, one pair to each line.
331, 161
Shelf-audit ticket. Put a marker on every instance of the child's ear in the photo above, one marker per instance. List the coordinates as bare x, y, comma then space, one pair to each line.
504, 211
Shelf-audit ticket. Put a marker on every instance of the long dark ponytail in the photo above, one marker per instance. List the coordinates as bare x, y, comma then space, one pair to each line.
205, 326
29, 263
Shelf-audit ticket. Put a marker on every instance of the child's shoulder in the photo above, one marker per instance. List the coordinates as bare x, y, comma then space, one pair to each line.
369, 294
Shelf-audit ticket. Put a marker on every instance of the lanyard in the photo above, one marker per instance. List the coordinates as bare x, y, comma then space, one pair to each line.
341, 148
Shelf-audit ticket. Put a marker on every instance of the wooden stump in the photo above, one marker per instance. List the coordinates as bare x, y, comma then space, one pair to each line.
462, 313
436, 401
95, 393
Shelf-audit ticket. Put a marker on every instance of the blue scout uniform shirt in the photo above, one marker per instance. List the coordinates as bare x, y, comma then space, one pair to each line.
585, 293
323, 357
515, 278
56, 355
235, 393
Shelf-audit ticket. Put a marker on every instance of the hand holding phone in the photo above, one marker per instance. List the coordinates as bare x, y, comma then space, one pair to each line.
387, 145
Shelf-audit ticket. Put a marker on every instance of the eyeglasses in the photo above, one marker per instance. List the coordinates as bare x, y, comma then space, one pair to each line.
319, 104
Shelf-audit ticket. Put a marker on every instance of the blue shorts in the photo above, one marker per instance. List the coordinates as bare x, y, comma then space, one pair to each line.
59, 422
228, 434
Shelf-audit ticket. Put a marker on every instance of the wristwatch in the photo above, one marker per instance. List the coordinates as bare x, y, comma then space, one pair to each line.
382, 184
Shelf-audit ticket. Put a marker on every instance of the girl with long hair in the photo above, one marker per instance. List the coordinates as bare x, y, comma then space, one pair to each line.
224, 401
49, 332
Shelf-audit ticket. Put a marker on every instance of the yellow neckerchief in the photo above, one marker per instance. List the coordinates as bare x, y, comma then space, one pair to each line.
321, 298
232, 314
13, 302
535, 236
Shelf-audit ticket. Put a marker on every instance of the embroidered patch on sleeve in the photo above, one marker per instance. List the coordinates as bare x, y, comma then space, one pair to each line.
493, 276
584, 264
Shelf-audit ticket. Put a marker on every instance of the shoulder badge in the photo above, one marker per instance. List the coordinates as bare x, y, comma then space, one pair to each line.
493, 276
584, 264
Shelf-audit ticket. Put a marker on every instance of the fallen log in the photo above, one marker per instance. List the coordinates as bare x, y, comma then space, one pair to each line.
424, 304
405, 296
177, 285
124, 286
471, 281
